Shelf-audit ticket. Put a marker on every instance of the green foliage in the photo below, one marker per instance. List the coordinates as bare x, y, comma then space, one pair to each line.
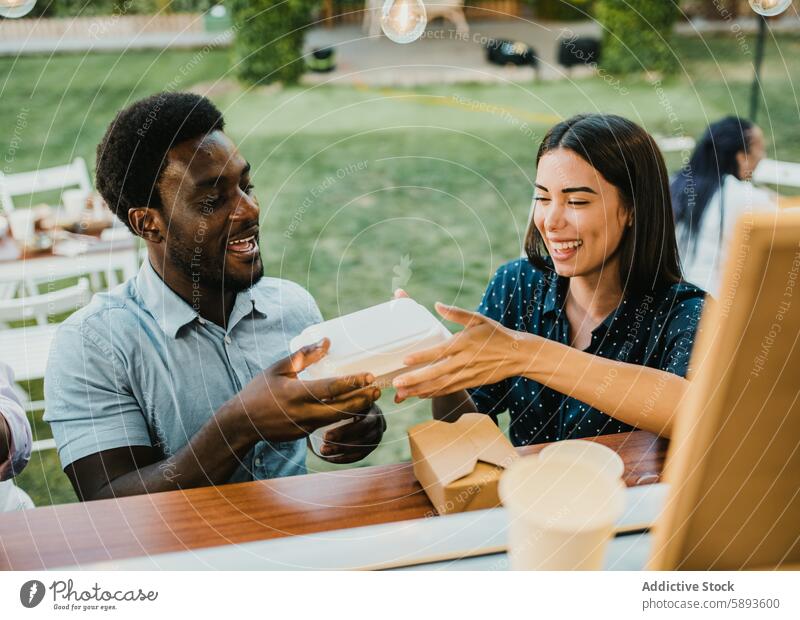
190, 6
269, 39
82, 8
637, 34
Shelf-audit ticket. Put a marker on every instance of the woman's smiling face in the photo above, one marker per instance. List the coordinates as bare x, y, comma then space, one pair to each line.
579, 214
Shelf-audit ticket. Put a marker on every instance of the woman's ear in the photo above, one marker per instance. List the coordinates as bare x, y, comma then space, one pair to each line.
146, 223
626, 215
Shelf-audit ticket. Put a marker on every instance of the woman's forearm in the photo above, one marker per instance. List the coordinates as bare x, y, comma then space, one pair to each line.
637, 395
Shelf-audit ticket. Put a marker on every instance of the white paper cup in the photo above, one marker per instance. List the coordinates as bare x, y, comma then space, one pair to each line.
22, 223
74, 201
317, 437
560, 517
594, 454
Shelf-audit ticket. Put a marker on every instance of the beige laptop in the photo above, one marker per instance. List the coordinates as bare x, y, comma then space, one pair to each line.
734, 459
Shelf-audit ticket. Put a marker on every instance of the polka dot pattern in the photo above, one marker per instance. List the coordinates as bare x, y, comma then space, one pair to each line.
655, 329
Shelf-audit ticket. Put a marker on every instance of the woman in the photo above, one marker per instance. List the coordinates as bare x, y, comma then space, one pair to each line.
591, 334
712, 191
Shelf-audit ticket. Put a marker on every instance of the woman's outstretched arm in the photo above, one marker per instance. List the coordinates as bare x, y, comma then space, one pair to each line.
486, 352
647, 398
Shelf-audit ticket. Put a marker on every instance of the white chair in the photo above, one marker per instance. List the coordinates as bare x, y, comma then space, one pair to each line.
41, 307
117, 260
45, 270
43, 180
9, 290
780, 173
675, 144
25, 349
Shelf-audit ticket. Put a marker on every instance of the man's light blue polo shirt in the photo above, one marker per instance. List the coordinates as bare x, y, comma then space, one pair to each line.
138, 366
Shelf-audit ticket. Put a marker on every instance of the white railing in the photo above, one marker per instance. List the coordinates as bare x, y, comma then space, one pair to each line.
101, 26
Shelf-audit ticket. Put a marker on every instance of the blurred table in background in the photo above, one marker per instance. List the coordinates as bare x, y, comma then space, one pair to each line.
56, 254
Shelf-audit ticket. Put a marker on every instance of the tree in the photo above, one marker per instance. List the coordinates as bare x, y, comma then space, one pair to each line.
269, 39
637, 34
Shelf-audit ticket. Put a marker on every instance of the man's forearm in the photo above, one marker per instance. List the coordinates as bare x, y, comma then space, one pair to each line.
210, 458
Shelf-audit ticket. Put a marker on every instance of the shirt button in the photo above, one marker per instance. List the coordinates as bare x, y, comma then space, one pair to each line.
228, 340
201, 320
257, 462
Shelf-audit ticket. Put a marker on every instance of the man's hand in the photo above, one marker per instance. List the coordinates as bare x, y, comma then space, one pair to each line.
275, 405
280, 407
352, 442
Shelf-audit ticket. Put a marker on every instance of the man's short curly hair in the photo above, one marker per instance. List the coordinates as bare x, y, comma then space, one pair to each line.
133, 151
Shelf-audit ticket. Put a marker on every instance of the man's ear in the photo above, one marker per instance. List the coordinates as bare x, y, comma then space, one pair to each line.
146, 223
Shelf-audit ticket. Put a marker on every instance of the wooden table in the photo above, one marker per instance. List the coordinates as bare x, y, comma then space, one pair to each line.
77, 534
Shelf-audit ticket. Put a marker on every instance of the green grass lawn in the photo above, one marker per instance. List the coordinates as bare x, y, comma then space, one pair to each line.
362, 190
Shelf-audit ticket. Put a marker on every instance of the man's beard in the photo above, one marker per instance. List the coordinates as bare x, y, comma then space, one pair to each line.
207, 275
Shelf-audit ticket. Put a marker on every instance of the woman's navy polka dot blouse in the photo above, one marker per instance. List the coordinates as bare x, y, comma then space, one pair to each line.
655, 329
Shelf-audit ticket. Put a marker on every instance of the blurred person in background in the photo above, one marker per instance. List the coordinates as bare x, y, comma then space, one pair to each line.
712, 192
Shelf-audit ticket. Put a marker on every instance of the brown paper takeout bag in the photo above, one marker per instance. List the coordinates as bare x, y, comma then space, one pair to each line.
459, 463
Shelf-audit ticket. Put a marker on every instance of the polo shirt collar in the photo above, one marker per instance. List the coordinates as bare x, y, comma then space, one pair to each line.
253, 300
168, 308
171, 311
259, 299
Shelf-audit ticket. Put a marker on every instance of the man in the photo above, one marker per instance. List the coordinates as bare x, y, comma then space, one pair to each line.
15, 444
160, 383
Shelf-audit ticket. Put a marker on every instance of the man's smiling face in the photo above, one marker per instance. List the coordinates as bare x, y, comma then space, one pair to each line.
210, 215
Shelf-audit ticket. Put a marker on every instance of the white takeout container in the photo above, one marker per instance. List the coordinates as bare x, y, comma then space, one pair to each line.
374, 340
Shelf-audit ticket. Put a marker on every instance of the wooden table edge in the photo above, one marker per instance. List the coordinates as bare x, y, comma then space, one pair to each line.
76, 534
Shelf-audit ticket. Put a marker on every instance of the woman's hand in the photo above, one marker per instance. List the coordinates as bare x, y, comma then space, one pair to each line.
484, 352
